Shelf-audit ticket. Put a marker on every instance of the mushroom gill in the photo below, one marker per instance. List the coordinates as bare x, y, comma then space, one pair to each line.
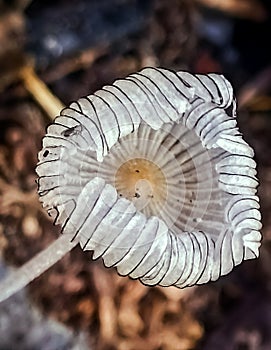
153, 175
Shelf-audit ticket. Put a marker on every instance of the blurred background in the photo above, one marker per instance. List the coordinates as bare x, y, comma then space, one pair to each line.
73, 48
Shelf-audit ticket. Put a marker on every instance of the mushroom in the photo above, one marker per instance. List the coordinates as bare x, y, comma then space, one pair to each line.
153, 175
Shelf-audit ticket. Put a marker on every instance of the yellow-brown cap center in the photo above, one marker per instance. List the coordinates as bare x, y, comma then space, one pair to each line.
141, 181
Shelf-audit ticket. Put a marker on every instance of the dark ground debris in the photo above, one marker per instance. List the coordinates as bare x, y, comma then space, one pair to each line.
77, 47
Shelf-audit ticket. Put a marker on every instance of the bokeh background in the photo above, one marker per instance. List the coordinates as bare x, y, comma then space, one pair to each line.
73, 48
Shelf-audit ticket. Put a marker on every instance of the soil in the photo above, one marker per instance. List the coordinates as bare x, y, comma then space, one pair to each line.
75, 49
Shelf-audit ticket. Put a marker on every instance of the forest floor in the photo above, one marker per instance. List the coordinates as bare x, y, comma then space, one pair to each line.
74, 49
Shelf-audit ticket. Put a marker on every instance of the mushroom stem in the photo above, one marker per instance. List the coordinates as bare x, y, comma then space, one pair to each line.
18, 279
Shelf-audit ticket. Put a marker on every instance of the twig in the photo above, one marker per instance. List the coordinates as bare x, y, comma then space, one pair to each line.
83, 60
256, 86
36, 87
251, 9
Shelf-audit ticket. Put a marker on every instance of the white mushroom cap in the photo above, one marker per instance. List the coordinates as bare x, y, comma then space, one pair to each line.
153, 175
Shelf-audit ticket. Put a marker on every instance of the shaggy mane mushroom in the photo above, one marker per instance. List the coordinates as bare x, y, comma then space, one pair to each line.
153, 175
